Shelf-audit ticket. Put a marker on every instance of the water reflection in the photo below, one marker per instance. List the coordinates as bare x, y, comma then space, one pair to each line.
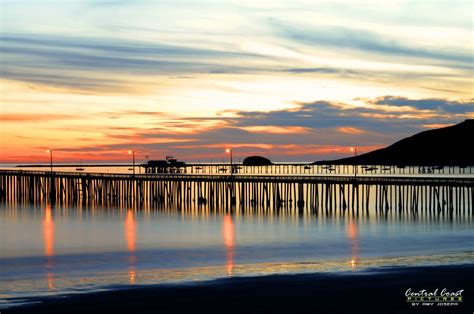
228, 232
352, 234
48, 241
52, 247
130, 238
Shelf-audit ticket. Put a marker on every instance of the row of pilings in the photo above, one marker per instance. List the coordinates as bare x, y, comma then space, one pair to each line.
232, 194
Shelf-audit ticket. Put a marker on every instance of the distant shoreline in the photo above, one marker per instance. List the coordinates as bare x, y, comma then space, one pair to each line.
380, 290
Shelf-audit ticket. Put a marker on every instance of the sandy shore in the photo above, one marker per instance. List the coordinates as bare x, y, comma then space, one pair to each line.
372, 291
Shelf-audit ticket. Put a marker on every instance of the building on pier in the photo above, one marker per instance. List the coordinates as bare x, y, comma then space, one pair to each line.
169, 165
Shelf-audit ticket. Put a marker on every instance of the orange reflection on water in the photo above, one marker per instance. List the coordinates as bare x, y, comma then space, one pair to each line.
48, 232
353, 235
48, 242
130, 231
228, 232
130, 238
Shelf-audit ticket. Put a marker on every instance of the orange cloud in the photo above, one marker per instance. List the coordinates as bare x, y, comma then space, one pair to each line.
32, 117
233, 145
436, 125
272, 129
350, 130
398, 116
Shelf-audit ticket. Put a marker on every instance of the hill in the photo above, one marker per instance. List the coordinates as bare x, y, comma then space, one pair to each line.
451, 145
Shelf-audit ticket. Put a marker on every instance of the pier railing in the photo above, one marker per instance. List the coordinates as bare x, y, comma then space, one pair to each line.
289, 178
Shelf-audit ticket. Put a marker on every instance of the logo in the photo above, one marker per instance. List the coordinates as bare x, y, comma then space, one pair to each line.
436, 297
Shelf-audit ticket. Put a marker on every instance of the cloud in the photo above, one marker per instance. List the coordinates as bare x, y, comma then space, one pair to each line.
34, 117
323, 70
345, 38
350, 130
308, 131
272, 129
437, 104
323, 122
98, 63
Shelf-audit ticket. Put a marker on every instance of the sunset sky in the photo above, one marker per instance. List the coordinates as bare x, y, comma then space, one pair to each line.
290, 80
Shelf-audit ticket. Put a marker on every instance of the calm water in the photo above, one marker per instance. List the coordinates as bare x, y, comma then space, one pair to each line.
53, 250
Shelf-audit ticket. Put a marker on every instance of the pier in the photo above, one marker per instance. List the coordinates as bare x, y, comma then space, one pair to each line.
303, 193
280, 168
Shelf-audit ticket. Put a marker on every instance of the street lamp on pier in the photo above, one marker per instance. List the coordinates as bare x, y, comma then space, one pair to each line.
229, 151
354, 149
132, 152
50, 152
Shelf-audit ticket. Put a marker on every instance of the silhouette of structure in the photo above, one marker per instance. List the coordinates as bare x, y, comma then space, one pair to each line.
256, 161
316, 194
170, 165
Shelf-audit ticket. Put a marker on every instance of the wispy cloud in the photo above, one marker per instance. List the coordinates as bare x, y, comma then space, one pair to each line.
305, 79
85, 62
34, 117
345, 38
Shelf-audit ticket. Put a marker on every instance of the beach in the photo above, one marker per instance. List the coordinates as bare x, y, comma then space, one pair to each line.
377, 290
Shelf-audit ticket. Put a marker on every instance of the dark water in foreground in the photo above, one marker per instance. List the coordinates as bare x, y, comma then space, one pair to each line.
54, 250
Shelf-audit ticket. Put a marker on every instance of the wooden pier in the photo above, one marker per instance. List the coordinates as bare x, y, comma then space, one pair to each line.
282, 169
312, 193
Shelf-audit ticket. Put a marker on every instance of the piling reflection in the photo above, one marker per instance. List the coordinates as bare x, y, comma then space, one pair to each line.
353, 236
74, 243
48, 240
130, 238
228, 233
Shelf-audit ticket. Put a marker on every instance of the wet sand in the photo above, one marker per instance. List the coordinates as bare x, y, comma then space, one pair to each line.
372, 291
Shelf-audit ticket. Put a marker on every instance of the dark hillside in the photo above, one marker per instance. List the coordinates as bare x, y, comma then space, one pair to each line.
453, 145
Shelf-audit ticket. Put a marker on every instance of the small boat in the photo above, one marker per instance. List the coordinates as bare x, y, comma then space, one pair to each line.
222, 169
198, 168
307, 167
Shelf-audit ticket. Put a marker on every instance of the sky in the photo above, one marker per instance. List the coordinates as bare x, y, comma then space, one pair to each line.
289, 80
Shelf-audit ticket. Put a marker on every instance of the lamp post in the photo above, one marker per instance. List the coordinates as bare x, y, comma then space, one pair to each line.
50, 152
229, 151
354, 149
132, 152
